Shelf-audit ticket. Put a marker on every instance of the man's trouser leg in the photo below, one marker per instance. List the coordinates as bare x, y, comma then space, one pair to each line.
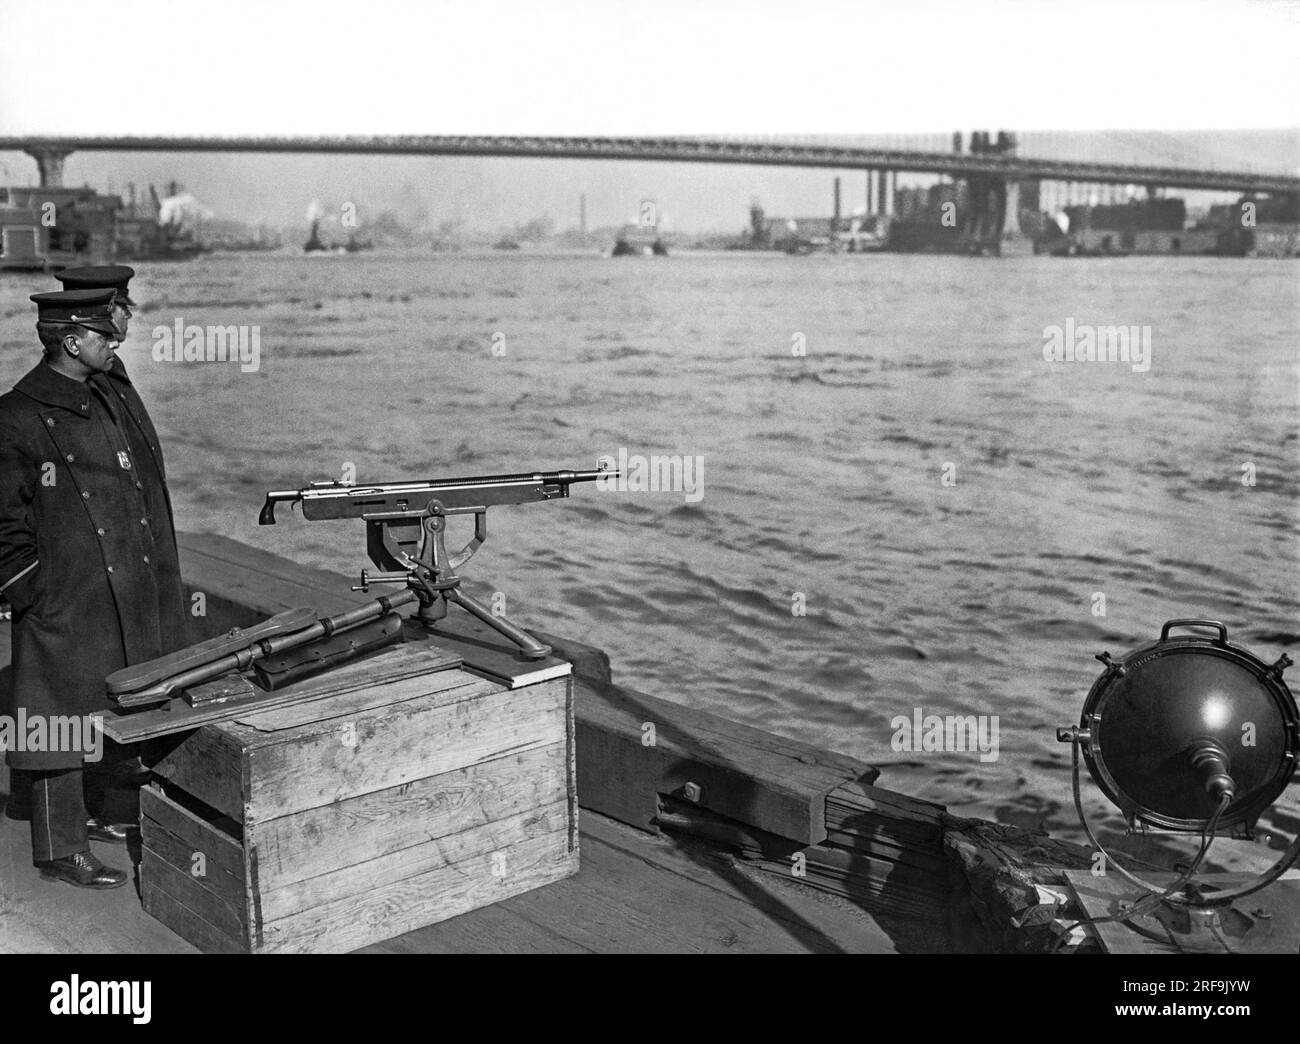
109, 797
58, 815
19, 805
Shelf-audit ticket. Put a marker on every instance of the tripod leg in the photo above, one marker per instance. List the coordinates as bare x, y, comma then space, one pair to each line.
529, 646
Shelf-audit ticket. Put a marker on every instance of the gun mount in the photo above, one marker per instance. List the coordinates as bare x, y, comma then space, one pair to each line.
406, 525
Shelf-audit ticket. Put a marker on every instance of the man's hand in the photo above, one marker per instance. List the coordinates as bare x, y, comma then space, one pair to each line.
21, 592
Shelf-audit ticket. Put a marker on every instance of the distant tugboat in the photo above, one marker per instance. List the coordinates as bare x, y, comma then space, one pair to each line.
639, 241
314, 244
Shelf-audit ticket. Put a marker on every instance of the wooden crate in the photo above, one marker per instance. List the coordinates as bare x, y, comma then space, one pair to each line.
329, 825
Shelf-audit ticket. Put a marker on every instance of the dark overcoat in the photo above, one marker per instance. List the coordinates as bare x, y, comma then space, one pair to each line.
88, 555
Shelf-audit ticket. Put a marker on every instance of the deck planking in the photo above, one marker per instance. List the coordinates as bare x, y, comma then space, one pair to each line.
635, 892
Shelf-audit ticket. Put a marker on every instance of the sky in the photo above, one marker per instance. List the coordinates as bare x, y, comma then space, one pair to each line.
916, 67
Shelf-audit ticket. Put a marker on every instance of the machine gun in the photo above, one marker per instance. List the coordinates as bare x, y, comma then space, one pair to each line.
405, 527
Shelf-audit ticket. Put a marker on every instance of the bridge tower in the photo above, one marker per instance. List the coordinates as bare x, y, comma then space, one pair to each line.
49, 164
992, 201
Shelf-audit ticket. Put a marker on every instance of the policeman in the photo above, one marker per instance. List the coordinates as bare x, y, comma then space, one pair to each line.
87, 555
111, 783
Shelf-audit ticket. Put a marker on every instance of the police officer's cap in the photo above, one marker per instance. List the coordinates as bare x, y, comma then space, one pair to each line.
92, 309
98, 277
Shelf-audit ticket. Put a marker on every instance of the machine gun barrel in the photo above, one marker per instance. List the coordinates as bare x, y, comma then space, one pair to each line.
326, 500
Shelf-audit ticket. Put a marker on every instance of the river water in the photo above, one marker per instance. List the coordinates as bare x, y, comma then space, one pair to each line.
903, 504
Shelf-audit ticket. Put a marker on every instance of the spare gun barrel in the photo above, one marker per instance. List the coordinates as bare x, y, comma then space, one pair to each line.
161, 691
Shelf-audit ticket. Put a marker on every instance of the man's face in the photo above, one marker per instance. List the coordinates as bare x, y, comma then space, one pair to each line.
95, 350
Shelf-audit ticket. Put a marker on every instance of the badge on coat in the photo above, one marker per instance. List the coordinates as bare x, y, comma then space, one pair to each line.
124, 459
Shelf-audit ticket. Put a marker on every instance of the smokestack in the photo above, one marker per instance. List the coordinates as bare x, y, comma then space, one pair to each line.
837, 202
870, 195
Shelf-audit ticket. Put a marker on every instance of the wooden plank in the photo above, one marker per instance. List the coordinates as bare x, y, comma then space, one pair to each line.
186, 923
177, 716
571, 765
364, 828
488, 653
355, 882
924, 857
314, 765
227, 916
746, 774
324, 705
879, 879
863, 798
401, 906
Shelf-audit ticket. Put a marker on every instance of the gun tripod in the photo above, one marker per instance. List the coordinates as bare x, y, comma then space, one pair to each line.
411, 545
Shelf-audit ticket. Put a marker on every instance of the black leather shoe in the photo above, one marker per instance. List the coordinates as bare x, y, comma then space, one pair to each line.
109, 833
83, 870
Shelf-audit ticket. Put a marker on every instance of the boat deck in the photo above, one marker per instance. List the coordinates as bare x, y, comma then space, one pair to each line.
880, 872
636, 892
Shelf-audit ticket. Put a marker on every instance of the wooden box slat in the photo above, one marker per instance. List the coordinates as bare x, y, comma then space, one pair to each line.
401, 906
229, 915
185, 922
420, 860
412, 741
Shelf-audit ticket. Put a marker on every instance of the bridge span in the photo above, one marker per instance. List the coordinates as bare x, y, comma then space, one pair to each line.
50, 153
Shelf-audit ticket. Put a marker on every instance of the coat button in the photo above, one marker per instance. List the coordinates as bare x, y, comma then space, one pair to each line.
146, 559
144, 521
110, 569
138, 486
70, 458
100, 532
85, 494
49, 421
